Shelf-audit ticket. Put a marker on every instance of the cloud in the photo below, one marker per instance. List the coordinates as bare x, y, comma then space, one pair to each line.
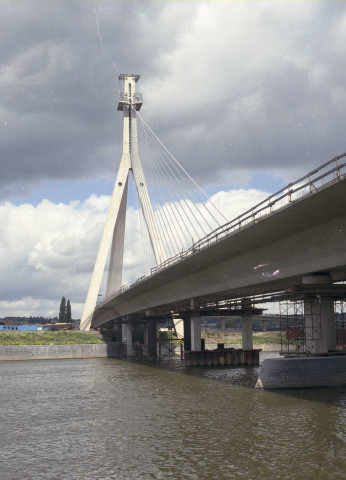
233, 88
238, 91
260, 94
49, 250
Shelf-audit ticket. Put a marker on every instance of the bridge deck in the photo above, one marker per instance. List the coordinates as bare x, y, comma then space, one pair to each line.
270, 254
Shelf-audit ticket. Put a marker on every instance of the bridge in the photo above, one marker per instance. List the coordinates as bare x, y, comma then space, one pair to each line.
289, 247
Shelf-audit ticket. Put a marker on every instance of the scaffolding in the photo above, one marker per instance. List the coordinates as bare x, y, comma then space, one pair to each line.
340, 324
292, 327
171, 343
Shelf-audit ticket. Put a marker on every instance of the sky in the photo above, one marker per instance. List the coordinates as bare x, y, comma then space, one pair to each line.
247, 95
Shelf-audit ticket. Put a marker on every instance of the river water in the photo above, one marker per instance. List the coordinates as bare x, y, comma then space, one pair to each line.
114, 419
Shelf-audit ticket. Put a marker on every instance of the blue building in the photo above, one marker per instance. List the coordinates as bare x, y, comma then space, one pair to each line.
26, 328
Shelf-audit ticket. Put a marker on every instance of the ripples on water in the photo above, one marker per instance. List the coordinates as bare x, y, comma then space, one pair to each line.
112, 419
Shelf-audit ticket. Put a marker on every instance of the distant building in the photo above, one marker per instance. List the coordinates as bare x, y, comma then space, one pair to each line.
31, 328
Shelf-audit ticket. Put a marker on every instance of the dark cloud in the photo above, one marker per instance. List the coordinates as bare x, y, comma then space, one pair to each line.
229, 86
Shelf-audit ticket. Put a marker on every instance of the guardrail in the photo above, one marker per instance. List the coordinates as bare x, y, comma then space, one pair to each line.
304, 186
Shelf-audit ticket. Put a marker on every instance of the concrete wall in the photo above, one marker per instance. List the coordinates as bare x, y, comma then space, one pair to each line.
51, 352
303, 372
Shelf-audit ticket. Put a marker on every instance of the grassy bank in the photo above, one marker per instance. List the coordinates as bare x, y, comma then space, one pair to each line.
259, 338
49, 338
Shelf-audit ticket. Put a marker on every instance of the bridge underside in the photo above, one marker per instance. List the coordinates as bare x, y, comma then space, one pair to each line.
273, 254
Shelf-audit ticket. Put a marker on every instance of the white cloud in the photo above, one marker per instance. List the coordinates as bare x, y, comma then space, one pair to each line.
49, 250
228, 86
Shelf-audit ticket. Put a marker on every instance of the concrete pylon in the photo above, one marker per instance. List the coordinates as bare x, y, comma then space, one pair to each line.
114, 229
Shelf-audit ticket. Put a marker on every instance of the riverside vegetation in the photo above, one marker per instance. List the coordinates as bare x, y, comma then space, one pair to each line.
76, 337
259, 338
50, 338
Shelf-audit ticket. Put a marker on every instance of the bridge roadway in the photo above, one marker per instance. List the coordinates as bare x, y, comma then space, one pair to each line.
305, 236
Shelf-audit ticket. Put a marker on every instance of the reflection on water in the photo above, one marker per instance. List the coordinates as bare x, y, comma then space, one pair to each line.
112, 419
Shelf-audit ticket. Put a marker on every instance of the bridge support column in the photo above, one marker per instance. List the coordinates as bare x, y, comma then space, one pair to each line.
223, 325
152, 337
195, 323
145, 336
129, 338
320, 331
246, 325
187, 334
124, 330
117, 332
196, 332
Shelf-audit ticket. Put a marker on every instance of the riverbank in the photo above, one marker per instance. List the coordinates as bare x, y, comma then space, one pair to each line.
234, 338
56, 352
51, 338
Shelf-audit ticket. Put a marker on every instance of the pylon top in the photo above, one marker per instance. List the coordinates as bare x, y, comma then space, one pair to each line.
123, 76
129, 97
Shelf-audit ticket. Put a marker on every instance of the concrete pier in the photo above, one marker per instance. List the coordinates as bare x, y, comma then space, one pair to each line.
303, 372
129, 338
246, 332
195, 323
187, 333
152, 337
320, 328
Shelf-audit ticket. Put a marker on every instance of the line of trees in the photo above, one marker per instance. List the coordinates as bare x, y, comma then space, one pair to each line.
65, 315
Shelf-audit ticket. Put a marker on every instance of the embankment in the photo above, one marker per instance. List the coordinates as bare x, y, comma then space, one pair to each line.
52, 352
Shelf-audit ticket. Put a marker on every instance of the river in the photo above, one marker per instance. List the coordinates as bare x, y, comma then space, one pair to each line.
117, 419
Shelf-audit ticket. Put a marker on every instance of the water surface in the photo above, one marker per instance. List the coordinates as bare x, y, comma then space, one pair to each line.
113, 419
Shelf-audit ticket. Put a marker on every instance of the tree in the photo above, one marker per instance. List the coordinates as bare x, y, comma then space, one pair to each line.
62, 312
68, 316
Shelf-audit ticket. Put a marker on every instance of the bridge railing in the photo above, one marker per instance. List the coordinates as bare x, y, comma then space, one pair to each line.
306, 185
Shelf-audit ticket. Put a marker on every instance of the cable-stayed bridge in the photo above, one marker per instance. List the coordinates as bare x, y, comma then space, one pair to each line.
292, 243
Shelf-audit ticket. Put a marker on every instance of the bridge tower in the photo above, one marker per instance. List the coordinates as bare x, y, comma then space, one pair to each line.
129, 103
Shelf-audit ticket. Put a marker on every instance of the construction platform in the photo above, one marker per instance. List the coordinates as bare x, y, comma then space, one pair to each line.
222, 356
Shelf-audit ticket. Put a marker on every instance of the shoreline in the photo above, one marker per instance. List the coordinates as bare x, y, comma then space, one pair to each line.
105, 350
55, 352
